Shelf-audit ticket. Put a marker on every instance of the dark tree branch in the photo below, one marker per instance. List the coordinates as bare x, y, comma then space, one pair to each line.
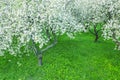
91, 31
96, 33
34, 47
50, 46
95, 29
98, 30
48, 33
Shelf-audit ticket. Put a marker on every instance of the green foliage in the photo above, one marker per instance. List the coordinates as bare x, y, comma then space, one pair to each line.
70, 59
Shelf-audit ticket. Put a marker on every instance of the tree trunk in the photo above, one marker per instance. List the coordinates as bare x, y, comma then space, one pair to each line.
96, 34
40, 52
96, 37
40, 60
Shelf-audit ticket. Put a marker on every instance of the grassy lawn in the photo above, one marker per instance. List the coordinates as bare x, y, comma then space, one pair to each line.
70, 59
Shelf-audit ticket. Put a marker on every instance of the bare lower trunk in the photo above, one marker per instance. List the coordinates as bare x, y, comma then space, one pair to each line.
96, 38
40, 60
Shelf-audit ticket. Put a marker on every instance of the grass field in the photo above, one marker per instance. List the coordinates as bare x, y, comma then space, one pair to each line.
70, 59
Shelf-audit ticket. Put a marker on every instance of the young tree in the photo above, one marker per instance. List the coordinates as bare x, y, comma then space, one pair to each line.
111, 29
89, 14
95, 13
38, 21
98, 12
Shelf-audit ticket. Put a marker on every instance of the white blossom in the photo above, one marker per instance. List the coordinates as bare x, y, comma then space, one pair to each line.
26, 18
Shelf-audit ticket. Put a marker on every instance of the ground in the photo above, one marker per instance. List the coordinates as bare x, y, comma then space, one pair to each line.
70, 59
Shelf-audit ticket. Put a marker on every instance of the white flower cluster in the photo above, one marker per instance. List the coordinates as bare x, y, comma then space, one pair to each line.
87, 11
106, 12
111, 29
29, 19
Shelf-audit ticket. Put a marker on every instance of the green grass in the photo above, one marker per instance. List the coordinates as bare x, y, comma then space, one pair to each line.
70, 59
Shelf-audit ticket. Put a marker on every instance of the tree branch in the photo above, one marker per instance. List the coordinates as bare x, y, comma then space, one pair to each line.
50, 46
91, 32
34, 47
98, 30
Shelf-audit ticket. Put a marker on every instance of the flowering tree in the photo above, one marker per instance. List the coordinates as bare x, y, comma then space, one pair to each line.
111, 29
95, 13
88, 12
38, 21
